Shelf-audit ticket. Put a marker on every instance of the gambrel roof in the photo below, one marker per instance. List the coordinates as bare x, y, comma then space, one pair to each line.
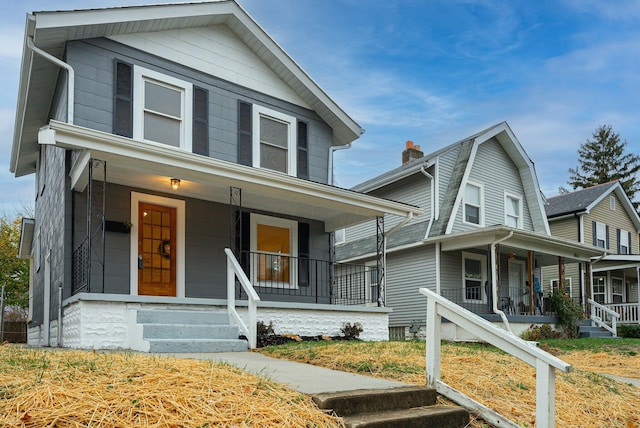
583, 201
50, 31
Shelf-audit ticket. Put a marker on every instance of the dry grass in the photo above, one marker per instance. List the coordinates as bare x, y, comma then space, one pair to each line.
583, 398
77, 389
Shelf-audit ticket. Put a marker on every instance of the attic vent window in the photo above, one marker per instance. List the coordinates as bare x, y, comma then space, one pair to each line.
612, 203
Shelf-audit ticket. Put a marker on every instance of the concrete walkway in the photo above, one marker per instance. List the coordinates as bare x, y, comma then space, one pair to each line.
301, 377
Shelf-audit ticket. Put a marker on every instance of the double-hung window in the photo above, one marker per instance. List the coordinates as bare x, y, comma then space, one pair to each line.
623, 242
162, 109
513, 211
599, 288
600, 235
274, 140
473, 276
473, 204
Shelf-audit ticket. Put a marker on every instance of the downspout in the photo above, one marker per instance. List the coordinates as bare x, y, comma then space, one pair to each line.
384, 253
432, 213
70, 75
494, 281
333, 149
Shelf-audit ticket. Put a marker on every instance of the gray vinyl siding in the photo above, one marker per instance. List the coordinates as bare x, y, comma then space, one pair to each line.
495, 171
52, 232
93, 62
206, 237
406, 273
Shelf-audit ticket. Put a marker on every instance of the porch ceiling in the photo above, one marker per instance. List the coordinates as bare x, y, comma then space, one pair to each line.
150, 166
547, 248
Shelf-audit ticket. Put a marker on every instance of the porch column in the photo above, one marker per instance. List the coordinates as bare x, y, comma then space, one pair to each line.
560, 273
381, 254
532, 309
588, 279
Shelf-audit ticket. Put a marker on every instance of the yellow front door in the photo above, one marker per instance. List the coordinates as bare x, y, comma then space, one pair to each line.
156, 250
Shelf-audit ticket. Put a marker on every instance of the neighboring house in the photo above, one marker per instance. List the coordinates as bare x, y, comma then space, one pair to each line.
159, 136
602, 216
484, 215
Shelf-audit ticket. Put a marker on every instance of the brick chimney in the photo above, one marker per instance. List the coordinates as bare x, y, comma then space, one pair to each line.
411, 152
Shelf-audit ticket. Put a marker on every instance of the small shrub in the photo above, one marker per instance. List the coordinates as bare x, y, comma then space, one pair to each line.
351, 332
567, 311
535, 333
629, 330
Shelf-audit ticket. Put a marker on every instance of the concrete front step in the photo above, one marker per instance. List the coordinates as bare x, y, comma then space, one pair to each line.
411, 406
180, 346
593, 331
189, 331
173, 316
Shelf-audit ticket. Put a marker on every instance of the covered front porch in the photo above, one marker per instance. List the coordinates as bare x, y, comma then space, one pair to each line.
501, 272
615, 287
149, 225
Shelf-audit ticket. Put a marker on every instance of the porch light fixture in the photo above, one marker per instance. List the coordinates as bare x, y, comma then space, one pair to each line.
175, 184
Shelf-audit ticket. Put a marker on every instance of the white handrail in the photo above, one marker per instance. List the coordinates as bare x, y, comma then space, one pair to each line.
438, 307
600, 322
235, 270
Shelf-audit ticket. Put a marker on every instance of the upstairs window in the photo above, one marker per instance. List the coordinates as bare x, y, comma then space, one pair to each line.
624, 242
162, 109
513, 211
600, 235
473, 204
274, 140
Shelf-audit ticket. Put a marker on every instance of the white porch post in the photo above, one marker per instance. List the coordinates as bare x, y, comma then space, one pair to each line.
545, 394
433, 333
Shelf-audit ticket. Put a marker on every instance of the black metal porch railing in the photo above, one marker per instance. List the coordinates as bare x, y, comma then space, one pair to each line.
512, 301
80, 267
286, 278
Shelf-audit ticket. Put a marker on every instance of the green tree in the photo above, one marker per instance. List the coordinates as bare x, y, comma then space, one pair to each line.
603, 159
14, 272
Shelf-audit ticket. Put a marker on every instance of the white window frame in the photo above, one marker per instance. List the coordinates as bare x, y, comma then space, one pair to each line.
601, 234
613, 293
140, 76
291, 122
483, 273
624, 237
480, 207
553, 285
507, 215
604, 289
612, 203
293, 244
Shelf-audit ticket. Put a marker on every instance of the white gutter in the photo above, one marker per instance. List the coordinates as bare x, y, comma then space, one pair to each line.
494, 281
333, 149
70, 75
432, 212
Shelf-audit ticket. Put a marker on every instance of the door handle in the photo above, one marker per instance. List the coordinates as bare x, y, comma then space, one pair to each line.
139, 261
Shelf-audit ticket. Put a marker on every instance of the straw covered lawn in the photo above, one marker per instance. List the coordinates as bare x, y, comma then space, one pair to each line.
499, 381
83, 388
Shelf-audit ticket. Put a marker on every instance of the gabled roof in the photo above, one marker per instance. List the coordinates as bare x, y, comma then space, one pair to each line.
51, 30
510, 144
583, 201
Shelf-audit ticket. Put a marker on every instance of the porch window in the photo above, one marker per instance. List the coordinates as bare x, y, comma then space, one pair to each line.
274, 140
162, 108
513, 211
473, 204
599, 289
473, 276
275, 242
567, 285
617, 290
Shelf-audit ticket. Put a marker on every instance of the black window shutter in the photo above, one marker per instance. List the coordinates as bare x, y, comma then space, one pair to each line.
303, 254
123, 99
245, 140
630, 247
243, 239
618, 239
303, 150
200, 133
607, 237
595, 233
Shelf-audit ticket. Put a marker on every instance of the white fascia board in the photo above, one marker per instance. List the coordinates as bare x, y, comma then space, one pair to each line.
463, 184
76, 137
26, 237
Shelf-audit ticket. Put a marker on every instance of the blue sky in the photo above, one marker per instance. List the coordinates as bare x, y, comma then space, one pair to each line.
432, 72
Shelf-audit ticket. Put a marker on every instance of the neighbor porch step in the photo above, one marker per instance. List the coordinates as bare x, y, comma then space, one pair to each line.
173, 316
189, 331
586, 329
411, 406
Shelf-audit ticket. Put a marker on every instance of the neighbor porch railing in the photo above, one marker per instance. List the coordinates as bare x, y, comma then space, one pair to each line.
276, 277
545, 363
511, 300
628, 312
604, 317
234, 270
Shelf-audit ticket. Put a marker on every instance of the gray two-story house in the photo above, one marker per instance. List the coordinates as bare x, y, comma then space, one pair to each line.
159, 137
482, 242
